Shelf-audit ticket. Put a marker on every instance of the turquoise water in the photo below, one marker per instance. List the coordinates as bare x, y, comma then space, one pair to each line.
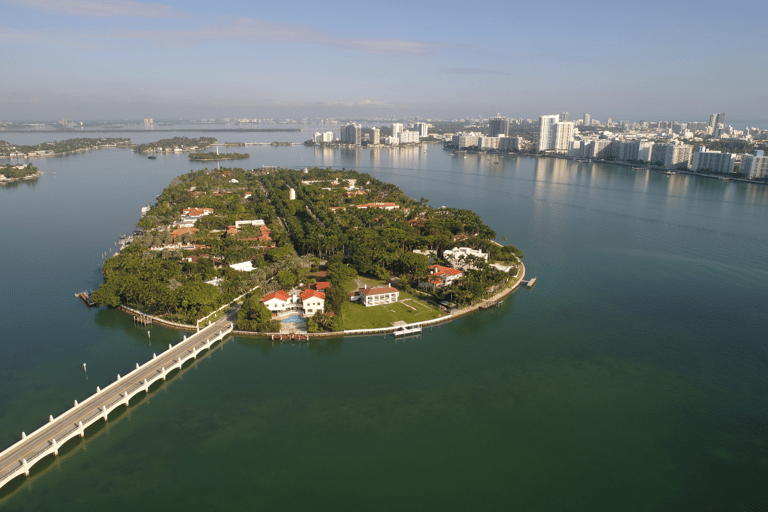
294, 319
632, 377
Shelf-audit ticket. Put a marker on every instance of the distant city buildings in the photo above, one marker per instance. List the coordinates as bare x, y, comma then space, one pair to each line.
755, 165
554, 134
351, 134
498, 126
713, 161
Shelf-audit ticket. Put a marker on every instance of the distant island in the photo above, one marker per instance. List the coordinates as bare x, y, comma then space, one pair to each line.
13, 173
175, 145
337, 250
56, 148
206, 157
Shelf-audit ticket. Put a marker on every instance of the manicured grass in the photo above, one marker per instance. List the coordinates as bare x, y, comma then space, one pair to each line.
357, 316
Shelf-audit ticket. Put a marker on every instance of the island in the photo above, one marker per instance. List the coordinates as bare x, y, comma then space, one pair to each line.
62, 147
207, 157
318, 250
14, 173
175, 145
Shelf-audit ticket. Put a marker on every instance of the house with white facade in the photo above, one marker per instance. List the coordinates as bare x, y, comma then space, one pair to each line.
312, 301
375, 296
440, 277
308, 302
464, 257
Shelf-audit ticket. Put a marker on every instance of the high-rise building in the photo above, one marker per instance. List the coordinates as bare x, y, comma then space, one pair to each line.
423, 129
498, 126
564, 116
716, 119
376, 137
351, 134
672, 156
754, 166
396, 129
713, 161
546, 132
563, 135
587, 120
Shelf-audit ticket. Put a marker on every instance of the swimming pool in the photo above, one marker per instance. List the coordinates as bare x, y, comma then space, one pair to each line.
294, 319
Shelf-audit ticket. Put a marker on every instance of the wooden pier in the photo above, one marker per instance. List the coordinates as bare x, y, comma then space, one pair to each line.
530, 283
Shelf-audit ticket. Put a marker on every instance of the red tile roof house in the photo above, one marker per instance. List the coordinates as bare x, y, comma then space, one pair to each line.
321, 285
375, 296
440, 277
312, 301
183, 231
196, 213
308, 303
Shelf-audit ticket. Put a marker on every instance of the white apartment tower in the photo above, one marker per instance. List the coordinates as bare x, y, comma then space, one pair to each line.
554, 134
397, 128
546, 132
376, 137
587, 120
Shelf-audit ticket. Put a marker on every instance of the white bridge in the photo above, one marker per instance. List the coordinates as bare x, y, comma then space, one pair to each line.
48, 439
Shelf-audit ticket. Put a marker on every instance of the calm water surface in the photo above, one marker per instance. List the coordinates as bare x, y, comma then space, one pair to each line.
632, 377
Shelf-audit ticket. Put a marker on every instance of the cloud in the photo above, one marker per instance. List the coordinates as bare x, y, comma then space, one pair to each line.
258, 30
101, 8
472, 71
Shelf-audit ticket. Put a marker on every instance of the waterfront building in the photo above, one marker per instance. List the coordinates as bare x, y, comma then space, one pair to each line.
376, 137
672, 156
755, 165
587, 120
464, 140
488, 143
713, 161
464, 257
440, 277
408, 137
554, 134
546, 132
423, 129
563, 135
635, 150
510, 143
375, 296
351, 134
498, 126
396, 129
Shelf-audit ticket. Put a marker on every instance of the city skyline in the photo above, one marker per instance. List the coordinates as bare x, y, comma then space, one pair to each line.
92, 59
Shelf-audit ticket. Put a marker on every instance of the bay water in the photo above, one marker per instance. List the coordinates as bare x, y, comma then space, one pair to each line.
633, 376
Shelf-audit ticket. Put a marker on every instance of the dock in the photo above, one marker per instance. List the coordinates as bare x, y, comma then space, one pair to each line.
19, 458
530, 283
405, 331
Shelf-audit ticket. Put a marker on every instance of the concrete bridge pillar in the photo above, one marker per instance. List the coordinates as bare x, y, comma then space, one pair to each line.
75, 403
137, 366
98, 389
105, 413
154, 355
80, 429
23, 435
163, 372
55, 448
146, 386
194, 352
127, 398
25, 467
50, 417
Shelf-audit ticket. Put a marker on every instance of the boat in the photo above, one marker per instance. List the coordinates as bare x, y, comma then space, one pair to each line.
153, 157
85, 298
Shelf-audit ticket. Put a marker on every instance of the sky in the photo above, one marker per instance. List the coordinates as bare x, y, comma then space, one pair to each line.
129, 59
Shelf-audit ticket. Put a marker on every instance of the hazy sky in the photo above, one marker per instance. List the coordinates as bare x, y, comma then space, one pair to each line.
96, 59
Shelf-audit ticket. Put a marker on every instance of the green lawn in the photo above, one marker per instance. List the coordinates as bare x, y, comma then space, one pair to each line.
357, 316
